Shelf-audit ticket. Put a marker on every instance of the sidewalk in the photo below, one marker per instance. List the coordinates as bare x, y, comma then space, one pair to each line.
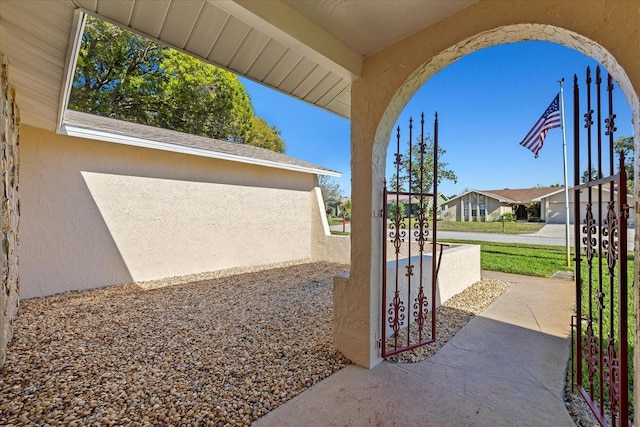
506, 367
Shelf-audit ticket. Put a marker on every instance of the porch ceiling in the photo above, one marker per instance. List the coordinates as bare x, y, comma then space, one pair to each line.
312, 50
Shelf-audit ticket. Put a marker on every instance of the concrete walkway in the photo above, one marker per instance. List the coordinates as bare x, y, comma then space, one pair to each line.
506, 367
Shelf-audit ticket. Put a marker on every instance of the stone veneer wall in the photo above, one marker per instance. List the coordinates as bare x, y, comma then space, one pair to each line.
9, 140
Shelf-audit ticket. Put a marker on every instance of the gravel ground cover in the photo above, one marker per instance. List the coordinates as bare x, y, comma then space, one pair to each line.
213, 352
213, 349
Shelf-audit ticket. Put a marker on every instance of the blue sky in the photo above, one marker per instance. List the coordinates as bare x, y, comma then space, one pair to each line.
486, 102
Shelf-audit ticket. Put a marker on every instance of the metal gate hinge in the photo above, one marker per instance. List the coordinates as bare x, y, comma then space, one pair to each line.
379, 343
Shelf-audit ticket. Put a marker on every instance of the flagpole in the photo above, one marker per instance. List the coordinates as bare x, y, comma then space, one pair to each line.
566, 182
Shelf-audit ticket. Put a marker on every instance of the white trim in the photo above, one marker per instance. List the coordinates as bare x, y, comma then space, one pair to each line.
80, 132
75, 40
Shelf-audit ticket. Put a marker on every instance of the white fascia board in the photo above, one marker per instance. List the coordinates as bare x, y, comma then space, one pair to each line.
164, 146
286, 25
75, 40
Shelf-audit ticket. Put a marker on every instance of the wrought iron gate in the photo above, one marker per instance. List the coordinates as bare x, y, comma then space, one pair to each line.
408, 275
601, 360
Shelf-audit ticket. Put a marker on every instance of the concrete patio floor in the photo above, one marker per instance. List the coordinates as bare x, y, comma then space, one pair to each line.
506, 367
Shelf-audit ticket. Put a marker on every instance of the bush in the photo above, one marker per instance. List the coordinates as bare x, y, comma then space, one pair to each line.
510, 217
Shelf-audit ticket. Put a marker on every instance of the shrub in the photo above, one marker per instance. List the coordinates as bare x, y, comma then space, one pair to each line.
510, 217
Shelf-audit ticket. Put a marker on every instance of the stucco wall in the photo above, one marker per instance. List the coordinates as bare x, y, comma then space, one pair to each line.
9, 166
324, 246
604, 30
97, 213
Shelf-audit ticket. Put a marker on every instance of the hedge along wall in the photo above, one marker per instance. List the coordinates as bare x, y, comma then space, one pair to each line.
9, 140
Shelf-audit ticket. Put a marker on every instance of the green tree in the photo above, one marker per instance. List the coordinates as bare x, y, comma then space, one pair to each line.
401, 182
201, 99
624, 145
265, 136
114, 76
589, 175
125, 76
346, 209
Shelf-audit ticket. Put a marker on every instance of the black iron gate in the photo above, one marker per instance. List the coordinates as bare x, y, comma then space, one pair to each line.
409, 272
601, 361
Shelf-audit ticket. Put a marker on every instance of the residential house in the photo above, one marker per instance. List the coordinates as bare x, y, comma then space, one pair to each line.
491, 205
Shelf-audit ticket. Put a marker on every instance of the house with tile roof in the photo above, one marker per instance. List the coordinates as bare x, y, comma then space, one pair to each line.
109, 202
490, 205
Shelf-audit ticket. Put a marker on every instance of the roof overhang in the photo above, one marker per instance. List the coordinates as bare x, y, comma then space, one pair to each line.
310, 50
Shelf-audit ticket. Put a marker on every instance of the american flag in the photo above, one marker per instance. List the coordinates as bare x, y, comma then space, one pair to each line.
549, 120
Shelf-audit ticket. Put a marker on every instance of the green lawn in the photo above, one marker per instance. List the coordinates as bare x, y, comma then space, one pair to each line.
528, 260
336, 221
486, 227
491, 227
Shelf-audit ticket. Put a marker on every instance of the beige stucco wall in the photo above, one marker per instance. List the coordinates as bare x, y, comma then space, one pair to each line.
324, 246
9, 199
608, 31
97, 213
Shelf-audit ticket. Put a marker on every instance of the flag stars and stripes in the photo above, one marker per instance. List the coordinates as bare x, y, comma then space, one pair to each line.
549, 120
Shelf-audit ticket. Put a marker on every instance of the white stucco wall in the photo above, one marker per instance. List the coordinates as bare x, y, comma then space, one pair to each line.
97, 213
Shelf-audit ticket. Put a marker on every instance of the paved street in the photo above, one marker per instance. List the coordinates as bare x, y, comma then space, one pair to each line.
550, 234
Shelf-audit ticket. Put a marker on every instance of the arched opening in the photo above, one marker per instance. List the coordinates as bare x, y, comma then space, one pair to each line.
367, 189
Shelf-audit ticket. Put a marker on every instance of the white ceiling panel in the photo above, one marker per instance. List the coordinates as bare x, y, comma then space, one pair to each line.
253, 44
266, 60
117, 11
333, 92
180, 21
322, 88
206, 31
282, 68
310, 82
297, 75
229, 41
149, 16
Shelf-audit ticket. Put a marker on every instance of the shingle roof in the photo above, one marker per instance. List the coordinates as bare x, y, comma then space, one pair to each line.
513, 195
196, 145
521, 195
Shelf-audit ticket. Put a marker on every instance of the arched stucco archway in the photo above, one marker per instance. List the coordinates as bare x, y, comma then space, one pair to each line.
605, 31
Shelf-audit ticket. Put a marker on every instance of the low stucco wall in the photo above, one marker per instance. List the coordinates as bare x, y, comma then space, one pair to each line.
324, 245
459, 269
96, 214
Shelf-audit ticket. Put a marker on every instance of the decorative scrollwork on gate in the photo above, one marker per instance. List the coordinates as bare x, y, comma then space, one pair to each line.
612, 378
421, 232
590, 352
409, 290
601, 362
589, 230
396, 314
421, 311
610, 237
